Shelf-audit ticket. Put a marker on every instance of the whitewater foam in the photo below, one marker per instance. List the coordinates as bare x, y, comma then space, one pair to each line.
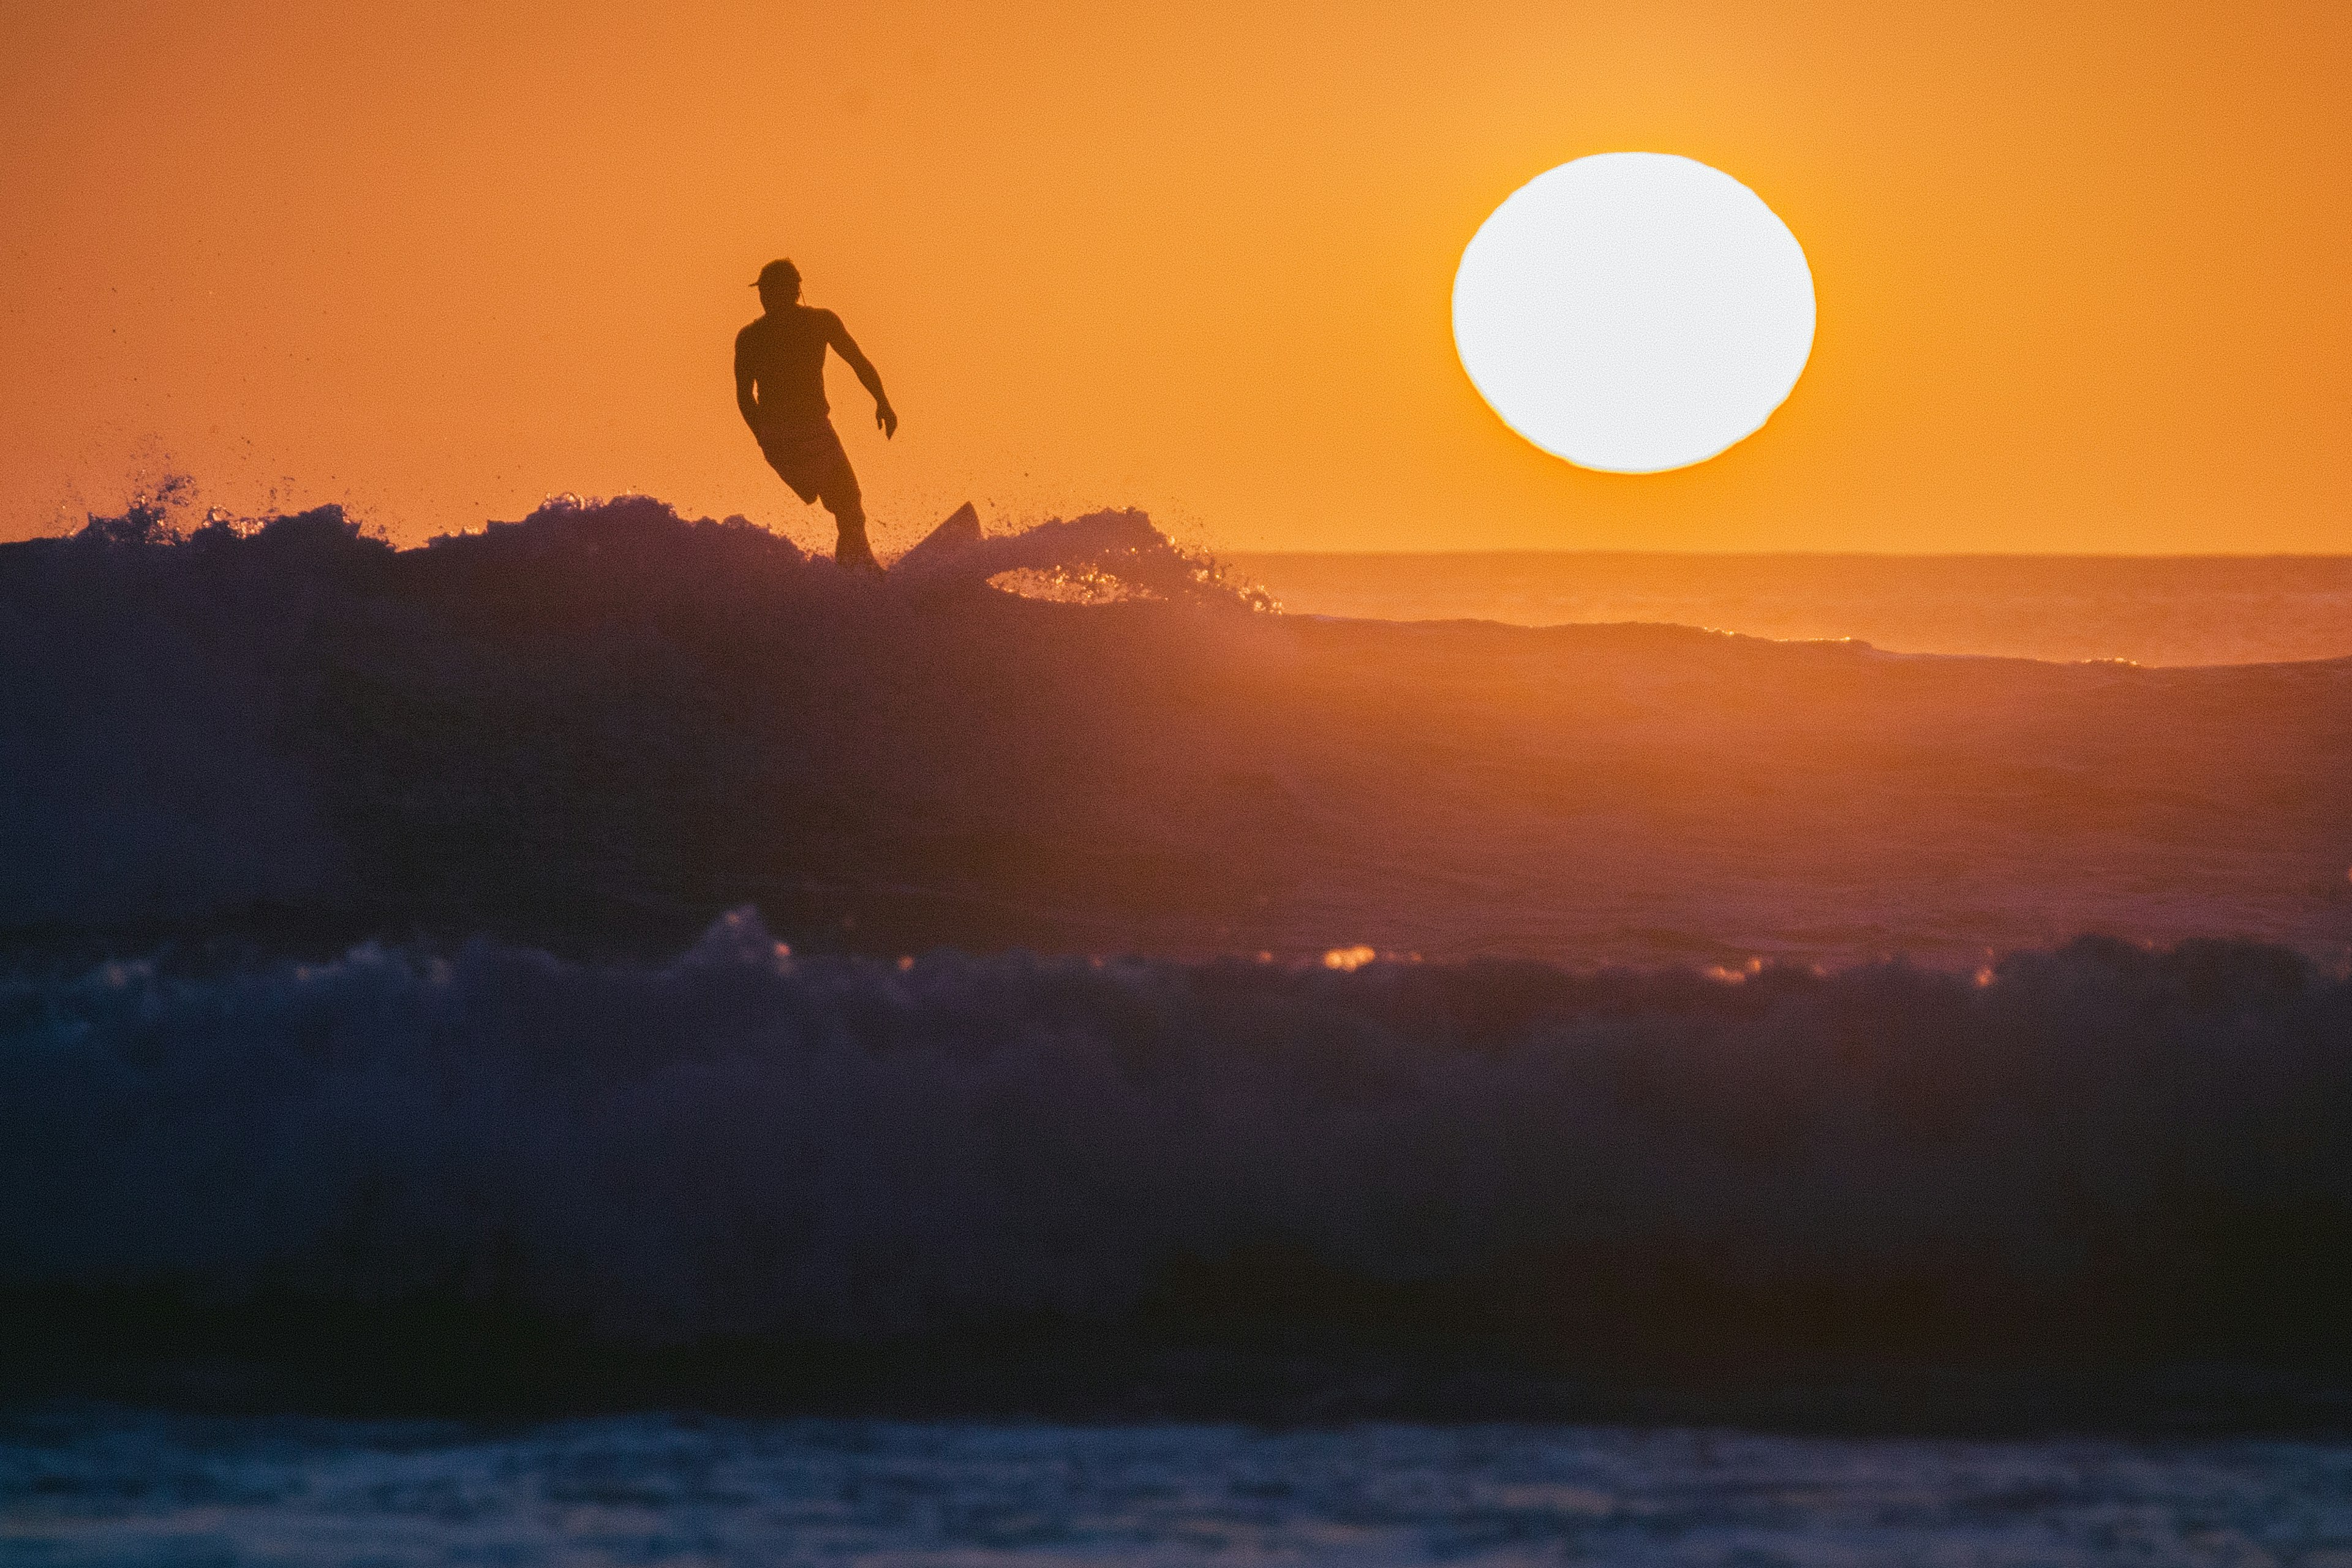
2095, 1146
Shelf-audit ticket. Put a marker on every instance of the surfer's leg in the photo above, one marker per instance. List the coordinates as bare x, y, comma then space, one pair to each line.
841, 498
850, 548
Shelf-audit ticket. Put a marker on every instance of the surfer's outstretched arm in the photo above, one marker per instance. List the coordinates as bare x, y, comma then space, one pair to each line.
846, 347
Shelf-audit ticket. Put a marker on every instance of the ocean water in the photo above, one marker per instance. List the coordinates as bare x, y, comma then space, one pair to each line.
606, 725
2176, 610
1481, 1186
613, 961
92, 1486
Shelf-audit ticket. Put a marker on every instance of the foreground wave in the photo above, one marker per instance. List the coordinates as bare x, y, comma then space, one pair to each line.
2094, 1155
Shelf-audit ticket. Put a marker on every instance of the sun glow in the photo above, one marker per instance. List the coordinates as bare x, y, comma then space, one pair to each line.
1634, 311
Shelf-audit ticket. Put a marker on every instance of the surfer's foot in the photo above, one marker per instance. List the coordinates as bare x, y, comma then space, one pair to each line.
851, 549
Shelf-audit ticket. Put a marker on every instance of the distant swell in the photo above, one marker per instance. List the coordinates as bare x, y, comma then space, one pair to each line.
2093, 1148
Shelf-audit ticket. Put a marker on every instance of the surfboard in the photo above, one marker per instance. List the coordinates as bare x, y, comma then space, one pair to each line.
960, 533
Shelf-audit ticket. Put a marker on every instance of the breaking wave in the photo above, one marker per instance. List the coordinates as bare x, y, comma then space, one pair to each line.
2088, 1149
596, 729
192, 715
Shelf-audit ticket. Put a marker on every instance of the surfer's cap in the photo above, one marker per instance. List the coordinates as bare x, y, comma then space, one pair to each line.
777, 273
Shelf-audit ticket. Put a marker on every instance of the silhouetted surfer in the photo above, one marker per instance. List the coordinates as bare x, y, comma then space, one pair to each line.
780, 387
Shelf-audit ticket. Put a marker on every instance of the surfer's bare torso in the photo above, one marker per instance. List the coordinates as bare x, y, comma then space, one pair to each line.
782, 354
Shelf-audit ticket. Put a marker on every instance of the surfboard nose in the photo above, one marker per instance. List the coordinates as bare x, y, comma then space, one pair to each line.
960, 533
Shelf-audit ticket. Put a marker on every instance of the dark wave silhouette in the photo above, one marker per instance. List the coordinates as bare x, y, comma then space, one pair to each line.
343, 1031
2095, 1154
599, 727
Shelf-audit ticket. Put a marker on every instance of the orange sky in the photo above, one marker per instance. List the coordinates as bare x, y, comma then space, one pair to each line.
2082, 269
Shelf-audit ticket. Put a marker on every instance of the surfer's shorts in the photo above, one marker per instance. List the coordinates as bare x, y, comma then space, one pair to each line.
808, 457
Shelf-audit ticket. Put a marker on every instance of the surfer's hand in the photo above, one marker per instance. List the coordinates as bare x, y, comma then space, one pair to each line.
887, 418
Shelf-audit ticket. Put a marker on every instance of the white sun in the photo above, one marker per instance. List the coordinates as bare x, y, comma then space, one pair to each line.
1634, 311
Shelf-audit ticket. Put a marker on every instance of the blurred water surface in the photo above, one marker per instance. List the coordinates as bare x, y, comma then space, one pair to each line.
98, 1485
